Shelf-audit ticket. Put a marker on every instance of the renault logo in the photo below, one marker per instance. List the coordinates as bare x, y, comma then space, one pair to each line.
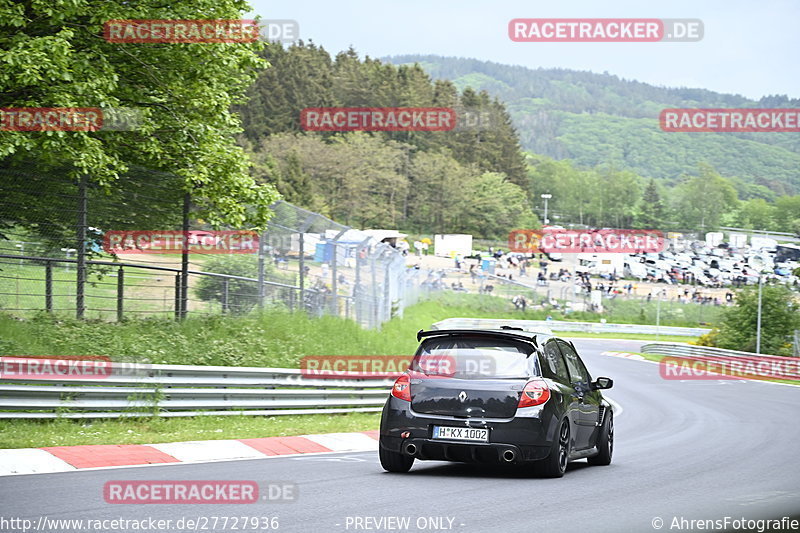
462, 396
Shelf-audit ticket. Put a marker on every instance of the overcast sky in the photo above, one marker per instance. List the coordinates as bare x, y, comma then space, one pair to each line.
750, 48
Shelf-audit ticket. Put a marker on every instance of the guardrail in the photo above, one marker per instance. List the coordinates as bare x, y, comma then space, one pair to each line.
727, 363
690, 350
601, 327
586, 327
131, 390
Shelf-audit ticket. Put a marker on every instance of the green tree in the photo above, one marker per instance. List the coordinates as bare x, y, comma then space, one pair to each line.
787, 213
239, 295
53, 55
651, 208
755, 213
780, 316
567, 184
616, 199
494, 207
437, 194
701, 201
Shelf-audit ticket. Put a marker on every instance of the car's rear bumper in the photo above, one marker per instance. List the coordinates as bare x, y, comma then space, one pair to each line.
525, 438
466, 452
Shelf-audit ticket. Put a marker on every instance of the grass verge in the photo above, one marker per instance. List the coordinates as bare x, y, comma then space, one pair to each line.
271, 339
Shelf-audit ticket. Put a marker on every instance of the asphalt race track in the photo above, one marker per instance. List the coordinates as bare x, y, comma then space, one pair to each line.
692, 449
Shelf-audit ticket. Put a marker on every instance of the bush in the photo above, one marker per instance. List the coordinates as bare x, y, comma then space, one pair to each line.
707, 339
780, 316
241, 295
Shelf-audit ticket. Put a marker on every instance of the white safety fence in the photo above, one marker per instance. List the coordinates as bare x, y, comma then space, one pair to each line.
691, 350
546, 326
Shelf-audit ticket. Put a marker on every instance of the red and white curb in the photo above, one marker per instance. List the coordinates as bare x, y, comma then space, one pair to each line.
72, 458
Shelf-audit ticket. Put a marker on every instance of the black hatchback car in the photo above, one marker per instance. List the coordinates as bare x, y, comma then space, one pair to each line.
505, 396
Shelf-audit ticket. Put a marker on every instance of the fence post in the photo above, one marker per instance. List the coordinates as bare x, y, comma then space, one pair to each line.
334, 283
302, 270
261, 270
80, 304
48, 286
374, 286
177, 296
386, 312
225, 306
120, 293
357, 287
185, 258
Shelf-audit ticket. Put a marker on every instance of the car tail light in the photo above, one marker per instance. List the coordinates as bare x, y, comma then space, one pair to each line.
402, 388
536, 392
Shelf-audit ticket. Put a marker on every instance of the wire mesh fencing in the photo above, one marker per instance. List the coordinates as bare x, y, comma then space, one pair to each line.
54, 258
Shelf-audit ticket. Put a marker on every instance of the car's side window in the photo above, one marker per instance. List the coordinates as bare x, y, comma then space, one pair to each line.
554, 363
577, 371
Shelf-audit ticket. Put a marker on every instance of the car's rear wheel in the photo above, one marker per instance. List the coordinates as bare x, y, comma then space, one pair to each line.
394, 461
556, 463
605, 443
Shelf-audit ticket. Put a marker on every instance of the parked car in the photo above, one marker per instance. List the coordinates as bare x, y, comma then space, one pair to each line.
496, 396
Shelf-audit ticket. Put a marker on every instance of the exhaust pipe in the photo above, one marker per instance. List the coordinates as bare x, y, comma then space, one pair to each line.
411, 449
509, 456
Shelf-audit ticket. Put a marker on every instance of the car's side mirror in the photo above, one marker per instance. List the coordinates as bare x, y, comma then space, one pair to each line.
602, 383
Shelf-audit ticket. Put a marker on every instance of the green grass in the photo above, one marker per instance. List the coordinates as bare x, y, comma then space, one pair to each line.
271, 339
65, 432
146, 292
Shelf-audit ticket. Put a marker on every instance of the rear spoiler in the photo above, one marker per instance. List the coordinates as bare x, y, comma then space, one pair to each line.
499, 334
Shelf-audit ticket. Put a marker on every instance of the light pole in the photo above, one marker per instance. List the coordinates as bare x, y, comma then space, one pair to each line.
760, 266
659, 295
758, 320
546, 197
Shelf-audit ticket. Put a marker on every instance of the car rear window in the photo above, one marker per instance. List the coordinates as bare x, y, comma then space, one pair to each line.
475, 358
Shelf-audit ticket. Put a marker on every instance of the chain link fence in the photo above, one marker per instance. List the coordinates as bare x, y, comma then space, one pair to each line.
52, 257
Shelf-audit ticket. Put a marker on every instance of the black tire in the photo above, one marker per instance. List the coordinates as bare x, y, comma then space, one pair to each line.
556, 463
605, 443
393, 461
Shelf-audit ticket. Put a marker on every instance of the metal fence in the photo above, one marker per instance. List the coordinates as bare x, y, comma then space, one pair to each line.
691, 350
136, 390
548, 326
51, 259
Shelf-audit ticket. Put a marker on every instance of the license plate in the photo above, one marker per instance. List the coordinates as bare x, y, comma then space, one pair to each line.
451, 433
